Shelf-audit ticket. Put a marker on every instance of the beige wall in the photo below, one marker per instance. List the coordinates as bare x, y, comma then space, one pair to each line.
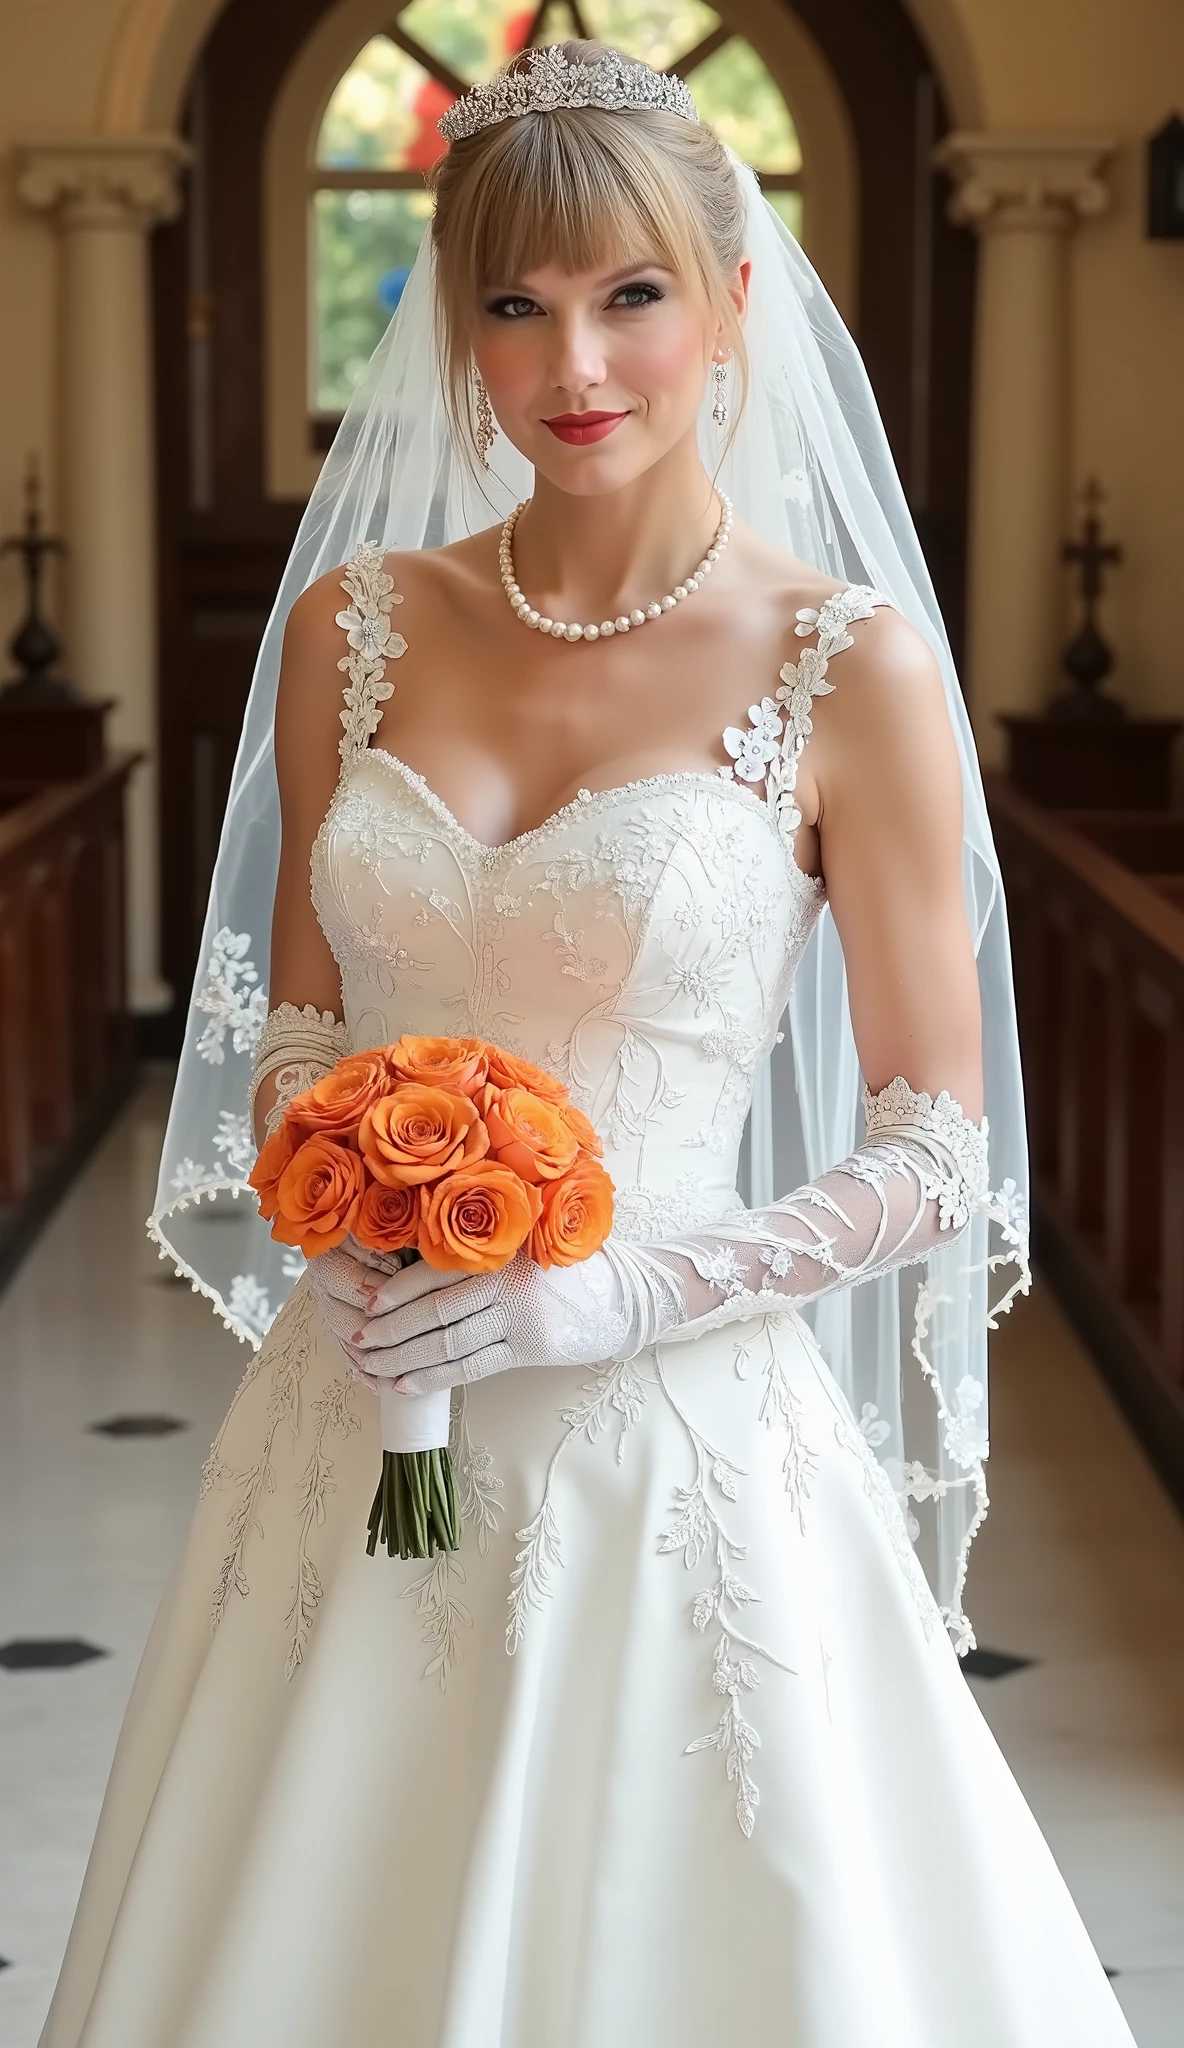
1116, 66
52, 61
71, 66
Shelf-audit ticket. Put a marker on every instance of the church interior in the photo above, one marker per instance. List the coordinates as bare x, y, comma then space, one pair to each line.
208, 210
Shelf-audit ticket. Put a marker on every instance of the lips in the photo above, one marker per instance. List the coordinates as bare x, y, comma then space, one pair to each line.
580, 429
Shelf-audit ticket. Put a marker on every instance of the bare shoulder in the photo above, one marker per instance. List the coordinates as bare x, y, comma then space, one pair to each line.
889, 679
766, 571
416, 573
460, 569
884, 744
314, 614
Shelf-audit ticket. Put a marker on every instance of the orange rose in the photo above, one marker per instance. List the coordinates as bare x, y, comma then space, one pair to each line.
585, 1132
336, 1104
475, 1220
274, 1157
439, 1062
506, 1070
577, 1215
418, 1133
387, 1218
318, 1196
527, 1134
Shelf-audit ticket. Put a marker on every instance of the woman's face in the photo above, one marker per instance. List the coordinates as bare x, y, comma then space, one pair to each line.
595, 376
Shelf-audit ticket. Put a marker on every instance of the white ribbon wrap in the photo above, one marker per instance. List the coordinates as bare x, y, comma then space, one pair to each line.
414, 1422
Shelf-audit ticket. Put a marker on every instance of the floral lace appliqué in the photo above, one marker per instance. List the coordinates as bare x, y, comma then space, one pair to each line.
771, 747
251, 1487
697, 1531
372, 643
231, 997
442, 1612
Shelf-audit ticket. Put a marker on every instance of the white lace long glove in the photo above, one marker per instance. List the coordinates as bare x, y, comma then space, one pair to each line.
911, 1187
909, 1190
433, 1330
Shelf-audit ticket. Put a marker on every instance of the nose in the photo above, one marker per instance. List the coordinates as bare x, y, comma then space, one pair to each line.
577, 363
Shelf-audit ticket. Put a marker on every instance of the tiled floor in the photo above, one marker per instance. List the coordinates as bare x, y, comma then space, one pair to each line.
1080, 1568
92, 1327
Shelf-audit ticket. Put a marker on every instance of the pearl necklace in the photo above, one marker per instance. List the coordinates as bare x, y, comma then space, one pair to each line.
538, 621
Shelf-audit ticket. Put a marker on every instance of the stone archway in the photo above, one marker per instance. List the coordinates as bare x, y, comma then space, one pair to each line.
159, 42
151, 64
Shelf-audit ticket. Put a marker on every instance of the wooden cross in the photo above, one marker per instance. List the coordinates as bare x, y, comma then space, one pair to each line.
1091, 553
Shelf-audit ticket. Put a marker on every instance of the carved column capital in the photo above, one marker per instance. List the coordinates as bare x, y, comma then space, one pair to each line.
1007, 181
103, 180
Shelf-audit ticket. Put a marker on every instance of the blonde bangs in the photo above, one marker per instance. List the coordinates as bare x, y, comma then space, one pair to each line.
576, 192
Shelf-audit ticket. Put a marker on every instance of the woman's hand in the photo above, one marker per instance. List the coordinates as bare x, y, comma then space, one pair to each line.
427, 1330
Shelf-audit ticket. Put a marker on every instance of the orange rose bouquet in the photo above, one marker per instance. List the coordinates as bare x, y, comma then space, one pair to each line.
449, 1150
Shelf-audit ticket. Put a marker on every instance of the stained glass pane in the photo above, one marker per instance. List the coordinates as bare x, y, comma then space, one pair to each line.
364, 244
735, 93
474, 36
659, 31
383, 115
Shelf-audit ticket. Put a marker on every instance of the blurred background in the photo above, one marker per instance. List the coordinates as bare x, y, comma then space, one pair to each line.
208, 209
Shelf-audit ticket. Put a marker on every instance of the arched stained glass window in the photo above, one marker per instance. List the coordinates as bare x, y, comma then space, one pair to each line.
378, 137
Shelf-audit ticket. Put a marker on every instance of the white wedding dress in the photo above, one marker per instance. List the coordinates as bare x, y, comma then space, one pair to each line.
676, 1749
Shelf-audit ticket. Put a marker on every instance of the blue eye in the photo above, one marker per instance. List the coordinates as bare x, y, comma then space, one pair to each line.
629, 298
512, 307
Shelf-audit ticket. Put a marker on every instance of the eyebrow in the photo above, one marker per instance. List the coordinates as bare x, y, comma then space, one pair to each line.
639, 263
614, 276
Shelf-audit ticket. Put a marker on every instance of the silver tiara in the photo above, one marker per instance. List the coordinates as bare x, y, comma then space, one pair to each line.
617, 84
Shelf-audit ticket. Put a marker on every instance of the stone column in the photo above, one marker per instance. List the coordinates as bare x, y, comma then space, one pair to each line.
1024, 194
105, 195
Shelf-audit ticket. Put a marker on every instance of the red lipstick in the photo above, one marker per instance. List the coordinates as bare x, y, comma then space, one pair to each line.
579, 429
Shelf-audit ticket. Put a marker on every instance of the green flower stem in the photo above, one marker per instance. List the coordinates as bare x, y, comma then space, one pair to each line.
416, 1510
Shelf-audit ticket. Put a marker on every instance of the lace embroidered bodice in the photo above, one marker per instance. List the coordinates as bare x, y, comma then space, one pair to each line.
640, 943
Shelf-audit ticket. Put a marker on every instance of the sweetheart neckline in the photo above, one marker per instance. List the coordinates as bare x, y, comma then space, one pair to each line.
665, 779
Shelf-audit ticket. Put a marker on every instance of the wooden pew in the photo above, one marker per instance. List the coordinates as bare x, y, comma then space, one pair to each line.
1097, 926
66, 1054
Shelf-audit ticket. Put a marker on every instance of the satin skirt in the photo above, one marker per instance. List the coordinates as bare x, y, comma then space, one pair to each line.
674, 1750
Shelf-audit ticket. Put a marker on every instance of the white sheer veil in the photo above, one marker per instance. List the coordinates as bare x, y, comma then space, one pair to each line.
809, 467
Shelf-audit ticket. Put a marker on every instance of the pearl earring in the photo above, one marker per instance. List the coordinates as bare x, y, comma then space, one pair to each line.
719, 371
486, 429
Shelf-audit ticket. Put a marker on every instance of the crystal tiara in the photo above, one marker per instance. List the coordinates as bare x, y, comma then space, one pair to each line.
617, 84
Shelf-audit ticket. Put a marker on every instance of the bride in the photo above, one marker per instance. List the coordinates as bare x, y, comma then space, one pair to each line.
676, 1747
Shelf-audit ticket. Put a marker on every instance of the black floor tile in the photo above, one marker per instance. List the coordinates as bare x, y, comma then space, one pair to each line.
993, 1664
47, 1653
138, 1425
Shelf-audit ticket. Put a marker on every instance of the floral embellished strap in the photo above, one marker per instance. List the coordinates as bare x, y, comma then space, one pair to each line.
372, 643
770, 750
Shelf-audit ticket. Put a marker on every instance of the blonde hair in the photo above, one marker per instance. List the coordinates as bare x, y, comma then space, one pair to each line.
575, 186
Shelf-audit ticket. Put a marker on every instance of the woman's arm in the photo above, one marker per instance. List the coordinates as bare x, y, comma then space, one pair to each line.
307, 732
889, 787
